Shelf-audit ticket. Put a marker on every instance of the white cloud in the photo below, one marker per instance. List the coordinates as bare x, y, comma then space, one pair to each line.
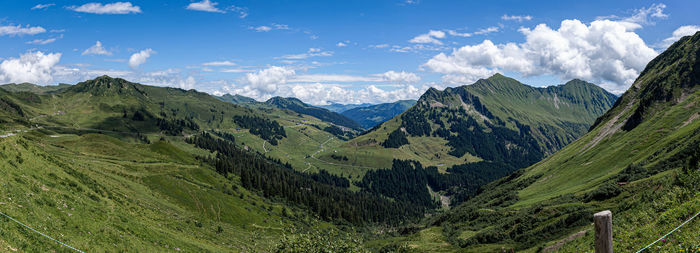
187, 83
685, 30
315, 78
42, 6
486, 30
516, 18
266, 81
341, 44
313, 52
18, 30
242, 11
643, 16
34, 67
264, 28
96, 49
431, 37
205, 5
112, 8
604, 51
42, 42
379, 46
313, 88
458, 34
219, 63
400, 77
140, 58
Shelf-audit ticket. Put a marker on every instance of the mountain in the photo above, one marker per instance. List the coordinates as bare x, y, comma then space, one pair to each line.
108, 164
236, 99
372, 115
33, 88
298, 106
641, 159
493, 121
340, 108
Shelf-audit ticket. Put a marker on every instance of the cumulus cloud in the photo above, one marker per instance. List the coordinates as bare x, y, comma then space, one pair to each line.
34, 67
42, 6
96, 49
516, 18
321, 94
267, 81
18, 30
400, 77
685, 30
205, 5
432, 37
187, 83
341, 44
140, 58
112, 8
312, 52
604, 51
324, 88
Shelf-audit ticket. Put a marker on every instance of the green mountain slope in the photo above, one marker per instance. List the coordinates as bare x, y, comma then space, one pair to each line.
640, 160
494, 120
372, 115
236, 99
110, 165
33, 88
320, 113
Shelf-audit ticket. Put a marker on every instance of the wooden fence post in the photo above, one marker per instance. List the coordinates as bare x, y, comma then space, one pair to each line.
603, 232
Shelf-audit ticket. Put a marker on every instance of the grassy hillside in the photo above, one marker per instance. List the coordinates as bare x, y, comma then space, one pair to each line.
370, 116
648, 175
99, 193
236, 99
33, 88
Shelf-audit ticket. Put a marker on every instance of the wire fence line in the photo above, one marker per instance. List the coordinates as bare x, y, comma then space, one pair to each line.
674, 230
44, 235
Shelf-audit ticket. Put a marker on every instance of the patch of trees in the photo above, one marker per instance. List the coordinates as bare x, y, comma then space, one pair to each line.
274, 180
415, 123
324, 177
9, 106
407, 181
266, 129
516, 148
174, 126
396, 139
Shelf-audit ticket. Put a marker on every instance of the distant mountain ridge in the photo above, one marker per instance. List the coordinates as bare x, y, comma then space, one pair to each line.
33, 88
340, 108
298, 106
372, 115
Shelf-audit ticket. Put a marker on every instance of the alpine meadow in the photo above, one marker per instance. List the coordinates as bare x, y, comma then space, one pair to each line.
361, 126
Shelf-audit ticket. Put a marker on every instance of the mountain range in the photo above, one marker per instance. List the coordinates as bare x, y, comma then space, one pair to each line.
497, 165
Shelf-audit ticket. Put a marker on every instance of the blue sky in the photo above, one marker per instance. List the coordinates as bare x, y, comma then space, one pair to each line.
336, 51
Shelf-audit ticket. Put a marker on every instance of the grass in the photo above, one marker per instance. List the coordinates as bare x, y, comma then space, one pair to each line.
99, 193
